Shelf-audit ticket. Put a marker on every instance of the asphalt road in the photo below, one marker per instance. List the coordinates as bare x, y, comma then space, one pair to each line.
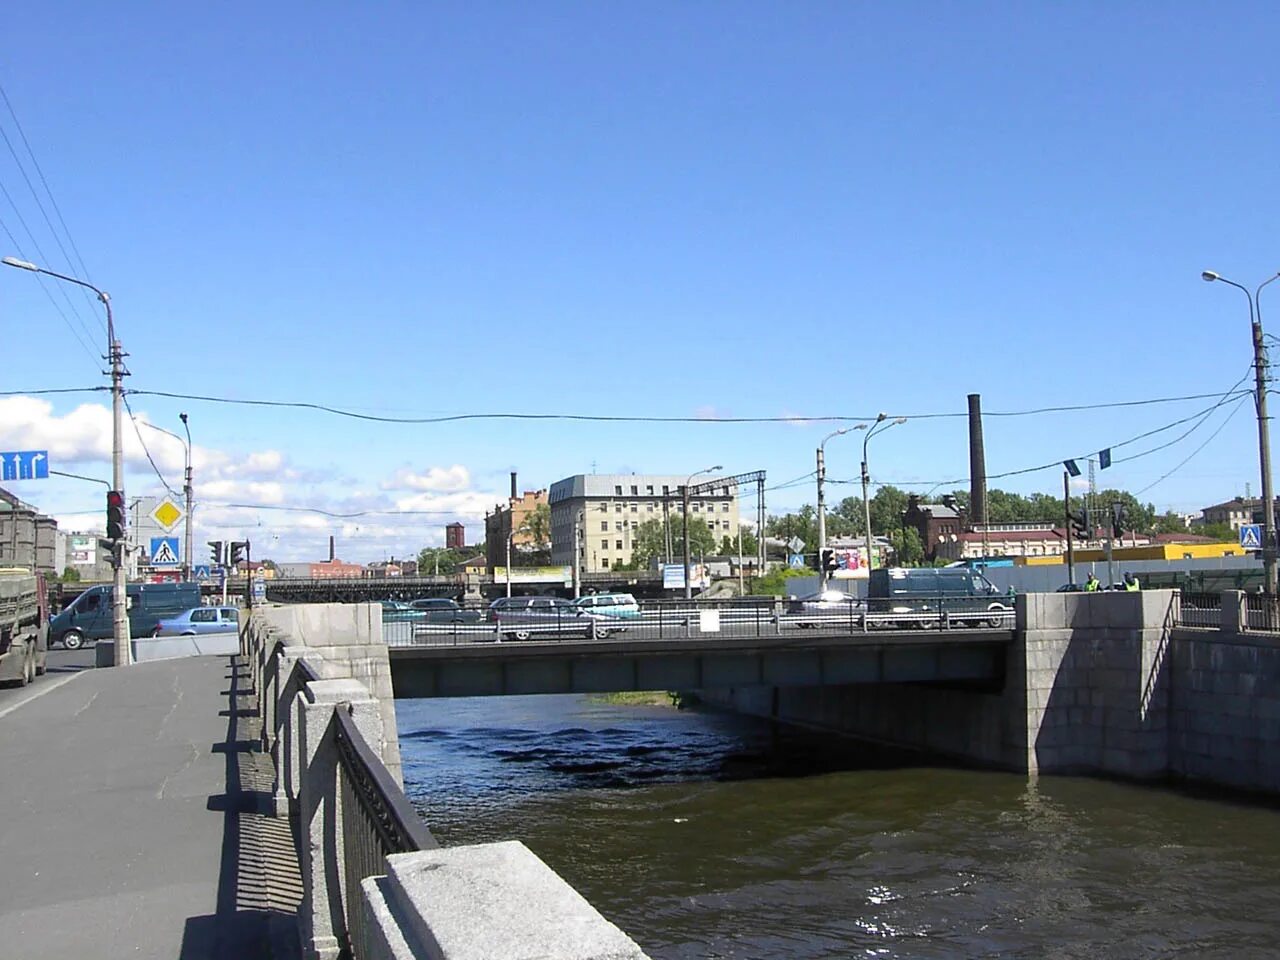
61, 663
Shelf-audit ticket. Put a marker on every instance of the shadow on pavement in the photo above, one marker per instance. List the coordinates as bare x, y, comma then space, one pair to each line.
257, 887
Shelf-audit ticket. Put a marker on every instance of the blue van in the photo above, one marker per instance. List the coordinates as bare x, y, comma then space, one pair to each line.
88, 617
929, 595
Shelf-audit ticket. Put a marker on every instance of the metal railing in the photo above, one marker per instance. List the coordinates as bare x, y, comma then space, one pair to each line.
377, 819
1199, 610
683, 620
1262, 612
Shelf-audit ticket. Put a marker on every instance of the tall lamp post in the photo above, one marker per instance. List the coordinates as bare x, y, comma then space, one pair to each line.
688, 587
1264, 431
822, 502
186, 489
115, 356
882, 424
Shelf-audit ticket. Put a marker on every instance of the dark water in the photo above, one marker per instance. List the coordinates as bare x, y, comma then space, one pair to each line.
712, 836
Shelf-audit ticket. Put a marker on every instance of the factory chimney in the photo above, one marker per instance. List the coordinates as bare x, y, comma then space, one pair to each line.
513, 484
977, 464
331, 553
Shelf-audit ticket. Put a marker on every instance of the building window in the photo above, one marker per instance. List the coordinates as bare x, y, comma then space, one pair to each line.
635, 491
618, 525
697, 508
649, 488
617, 508
618, 489
604, 525
650, 508
604, 544
605, 563
619, 545
635, 508
725, 508
665, 490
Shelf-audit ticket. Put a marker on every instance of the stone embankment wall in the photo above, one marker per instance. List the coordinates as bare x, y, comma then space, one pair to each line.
1100, 684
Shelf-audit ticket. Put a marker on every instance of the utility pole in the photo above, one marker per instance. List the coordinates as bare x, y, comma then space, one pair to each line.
577, 557
115, 356
187, 491
822, 517
1066, 504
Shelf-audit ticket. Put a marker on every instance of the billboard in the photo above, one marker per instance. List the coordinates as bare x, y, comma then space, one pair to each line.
83, 551
562, 575
673, 576
851, 564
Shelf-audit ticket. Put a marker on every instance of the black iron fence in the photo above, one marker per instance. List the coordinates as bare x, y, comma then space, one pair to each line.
377, 819
1262, 612
1200, 610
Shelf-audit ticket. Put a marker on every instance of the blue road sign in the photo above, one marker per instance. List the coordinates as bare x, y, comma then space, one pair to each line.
164, 551
795, 561
202, 572
1251, 536
24, 464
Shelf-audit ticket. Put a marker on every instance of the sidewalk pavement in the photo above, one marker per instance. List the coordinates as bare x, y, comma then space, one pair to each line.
129, 823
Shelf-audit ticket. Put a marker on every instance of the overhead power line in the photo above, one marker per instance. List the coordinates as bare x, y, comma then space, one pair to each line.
603, 418
138, 431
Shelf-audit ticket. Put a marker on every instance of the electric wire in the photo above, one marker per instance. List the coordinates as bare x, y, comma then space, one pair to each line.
49, 191
1230, 416
138, 431
56, 306
602, 418
71, 268
38, 393
62, 287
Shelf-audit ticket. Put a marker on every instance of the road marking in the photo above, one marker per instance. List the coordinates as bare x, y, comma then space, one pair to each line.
36, 694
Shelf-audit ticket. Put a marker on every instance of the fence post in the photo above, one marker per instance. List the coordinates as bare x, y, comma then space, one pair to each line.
321, 920
1235, 615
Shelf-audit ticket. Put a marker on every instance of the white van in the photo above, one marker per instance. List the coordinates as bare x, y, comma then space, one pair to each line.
609, 605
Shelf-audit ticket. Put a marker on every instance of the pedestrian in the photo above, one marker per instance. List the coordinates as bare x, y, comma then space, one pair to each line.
1131, 582
1091, 585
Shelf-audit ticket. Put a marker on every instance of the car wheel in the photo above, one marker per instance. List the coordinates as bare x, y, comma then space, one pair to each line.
73, 640
519, 635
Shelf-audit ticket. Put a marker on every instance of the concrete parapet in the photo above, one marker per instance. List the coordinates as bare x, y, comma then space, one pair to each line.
485, 902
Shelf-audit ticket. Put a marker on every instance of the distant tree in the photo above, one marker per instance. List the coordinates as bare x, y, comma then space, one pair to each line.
729, 545
1170, 523
448, 561
775, 581
908, 551
70, 575
1221, 532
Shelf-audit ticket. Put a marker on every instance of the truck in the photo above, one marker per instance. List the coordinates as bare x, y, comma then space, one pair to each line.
88, 617
24, 625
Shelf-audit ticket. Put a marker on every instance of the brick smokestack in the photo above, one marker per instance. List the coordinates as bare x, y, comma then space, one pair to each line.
332, 555
513, 484
977, 463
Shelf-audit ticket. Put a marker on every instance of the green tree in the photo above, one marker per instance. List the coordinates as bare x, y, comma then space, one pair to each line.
649, 542
1170, 523
729, 545
70, 575
775, 581
908, 551
1221, 532
536, 525
448, 560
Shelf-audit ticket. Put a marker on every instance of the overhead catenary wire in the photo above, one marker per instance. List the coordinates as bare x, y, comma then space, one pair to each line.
138, 431
1229, 417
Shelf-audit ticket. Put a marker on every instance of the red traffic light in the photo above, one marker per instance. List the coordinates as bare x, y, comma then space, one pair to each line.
115, 499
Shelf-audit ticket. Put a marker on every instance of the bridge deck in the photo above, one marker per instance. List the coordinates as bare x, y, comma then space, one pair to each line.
475, 667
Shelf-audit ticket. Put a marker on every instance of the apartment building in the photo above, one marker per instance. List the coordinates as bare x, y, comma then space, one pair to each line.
506, 521
607, 509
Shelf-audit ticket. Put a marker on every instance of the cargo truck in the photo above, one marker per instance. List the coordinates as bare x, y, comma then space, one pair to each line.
24, 625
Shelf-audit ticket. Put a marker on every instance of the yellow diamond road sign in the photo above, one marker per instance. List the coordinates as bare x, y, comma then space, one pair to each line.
167, 513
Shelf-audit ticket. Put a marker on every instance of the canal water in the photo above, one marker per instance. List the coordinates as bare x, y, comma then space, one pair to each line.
710, 835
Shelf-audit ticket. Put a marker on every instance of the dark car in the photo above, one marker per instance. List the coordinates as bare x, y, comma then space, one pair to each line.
1070, 588
443, 610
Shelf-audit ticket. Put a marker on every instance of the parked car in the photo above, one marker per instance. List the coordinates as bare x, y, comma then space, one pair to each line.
517, 604
397, 611
444, 610
199, 620
920, 597
609, 604
1070, 588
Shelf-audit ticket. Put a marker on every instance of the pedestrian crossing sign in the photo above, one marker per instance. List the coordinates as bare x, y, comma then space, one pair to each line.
164, 551
1251, 536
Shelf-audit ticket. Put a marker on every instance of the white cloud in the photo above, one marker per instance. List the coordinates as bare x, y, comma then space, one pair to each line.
440, 479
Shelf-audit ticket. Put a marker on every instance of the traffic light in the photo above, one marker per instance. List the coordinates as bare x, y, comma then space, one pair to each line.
827, 561
115, 515
1118, 517
1080, 524
235, 552
215, 552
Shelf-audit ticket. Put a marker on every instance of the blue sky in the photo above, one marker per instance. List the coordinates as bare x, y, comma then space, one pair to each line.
667, 210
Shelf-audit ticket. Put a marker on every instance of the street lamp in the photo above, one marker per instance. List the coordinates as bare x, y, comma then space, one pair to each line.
822, 503
186, 489
1264, 432
688, 587
115, 355
880, 426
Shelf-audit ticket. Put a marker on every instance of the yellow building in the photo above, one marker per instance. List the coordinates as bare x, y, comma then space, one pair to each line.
1155, 551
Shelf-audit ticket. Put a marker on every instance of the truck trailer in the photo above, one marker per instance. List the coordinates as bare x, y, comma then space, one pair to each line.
24, 625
